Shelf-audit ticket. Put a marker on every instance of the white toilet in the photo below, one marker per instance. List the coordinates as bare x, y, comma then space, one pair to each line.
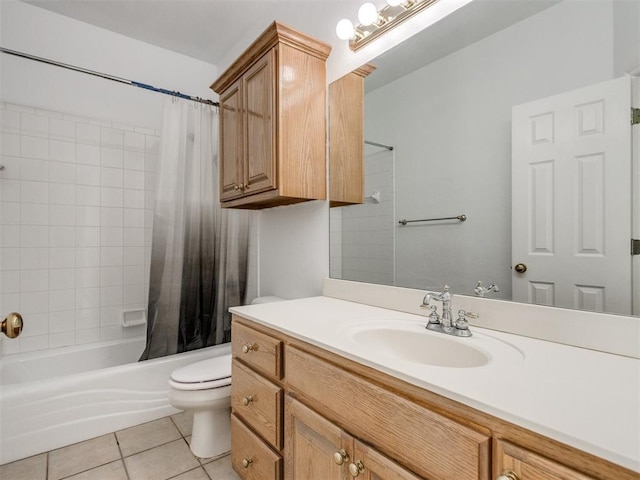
205, 389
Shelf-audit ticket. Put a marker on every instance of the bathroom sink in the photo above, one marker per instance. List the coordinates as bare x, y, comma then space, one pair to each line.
409, 341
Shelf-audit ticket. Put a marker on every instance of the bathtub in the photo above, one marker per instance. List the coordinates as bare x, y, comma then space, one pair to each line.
53, 398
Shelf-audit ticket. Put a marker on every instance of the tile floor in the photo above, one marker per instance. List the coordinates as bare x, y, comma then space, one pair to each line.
156, 450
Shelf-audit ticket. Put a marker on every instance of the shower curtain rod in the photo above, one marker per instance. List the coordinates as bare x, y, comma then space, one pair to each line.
132, 83
388, 147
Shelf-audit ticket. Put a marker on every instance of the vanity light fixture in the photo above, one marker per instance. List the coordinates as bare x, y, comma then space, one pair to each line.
374, 22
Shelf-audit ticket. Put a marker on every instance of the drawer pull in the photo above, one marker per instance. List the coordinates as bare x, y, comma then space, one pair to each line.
340, 457
508, 475
252, 347
246, 401
246, 462
356, 469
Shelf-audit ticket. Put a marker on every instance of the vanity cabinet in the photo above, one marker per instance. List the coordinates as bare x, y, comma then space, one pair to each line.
272, 122
300, 412
346, 138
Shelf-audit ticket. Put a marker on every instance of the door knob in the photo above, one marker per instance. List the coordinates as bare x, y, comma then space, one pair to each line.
520, 268
12, 325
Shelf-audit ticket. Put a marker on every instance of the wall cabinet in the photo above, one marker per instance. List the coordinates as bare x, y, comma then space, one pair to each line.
346, 138
300, 412
272, 122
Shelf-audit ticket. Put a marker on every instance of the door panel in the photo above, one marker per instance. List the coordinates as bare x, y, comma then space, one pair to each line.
231, 140
571, 215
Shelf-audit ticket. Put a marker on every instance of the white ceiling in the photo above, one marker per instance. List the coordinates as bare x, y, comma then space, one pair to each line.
203, 29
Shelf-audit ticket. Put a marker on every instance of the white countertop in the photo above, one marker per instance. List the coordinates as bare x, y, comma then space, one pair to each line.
587, 399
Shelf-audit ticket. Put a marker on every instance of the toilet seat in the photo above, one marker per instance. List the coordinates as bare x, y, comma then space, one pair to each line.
203, 375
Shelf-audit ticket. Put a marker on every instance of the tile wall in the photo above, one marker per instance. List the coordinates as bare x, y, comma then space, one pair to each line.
362, 236
76, 211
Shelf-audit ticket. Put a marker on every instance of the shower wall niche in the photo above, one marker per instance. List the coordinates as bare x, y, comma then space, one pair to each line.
76, 211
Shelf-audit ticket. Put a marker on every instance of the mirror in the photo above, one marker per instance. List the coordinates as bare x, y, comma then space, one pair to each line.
444, 101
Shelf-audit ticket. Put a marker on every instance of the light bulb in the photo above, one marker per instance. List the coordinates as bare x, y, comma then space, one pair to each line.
394, 3
367, 14
345, 30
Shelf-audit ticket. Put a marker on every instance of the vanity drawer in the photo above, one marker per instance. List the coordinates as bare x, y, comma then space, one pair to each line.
251, 458
435, 446
257, 349
258, 402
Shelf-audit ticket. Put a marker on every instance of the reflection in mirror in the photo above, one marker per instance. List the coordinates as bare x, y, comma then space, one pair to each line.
529, 89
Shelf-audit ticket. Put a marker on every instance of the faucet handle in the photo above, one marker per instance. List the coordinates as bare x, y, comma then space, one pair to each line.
461, 322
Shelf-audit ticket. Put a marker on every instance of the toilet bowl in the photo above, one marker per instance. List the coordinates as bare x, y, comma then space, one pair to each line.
204, 388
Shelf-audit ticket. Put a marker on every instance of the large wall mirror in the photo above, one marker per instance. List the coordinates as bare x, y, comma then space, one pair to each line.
526, 91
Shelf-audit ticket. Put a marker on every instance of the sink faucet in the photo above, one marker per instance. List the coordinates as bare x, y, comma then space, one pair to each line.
444, 324
444, 297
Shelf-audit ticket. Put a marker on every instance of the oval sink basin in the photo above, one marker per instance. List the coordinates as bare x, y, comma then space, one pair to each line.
422, 347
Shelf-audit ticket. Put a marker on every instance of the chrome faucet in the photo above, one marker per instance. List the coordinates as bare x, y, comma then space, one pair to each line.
444, 324
481, 291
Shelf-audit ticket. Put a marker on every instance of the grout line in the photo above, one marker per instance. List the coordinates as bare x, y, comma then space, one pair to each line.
124, 464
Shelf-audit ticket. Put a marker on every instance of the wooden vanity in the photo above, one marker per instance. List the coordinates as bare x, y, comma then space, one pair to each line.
300, 412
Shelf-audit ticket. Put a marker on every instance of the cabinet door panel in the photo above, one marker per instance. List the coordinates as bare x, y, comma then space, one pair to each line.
231, 141
251, 458
311, 442
531, 466
379, 467
259, 95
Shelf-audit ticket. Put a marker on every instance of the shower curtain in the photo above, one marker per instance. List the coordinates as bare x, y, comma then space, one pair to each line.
199, 251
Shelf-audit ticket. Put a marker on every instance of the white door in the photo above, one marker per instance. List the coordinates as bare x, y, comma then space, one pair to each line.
571, 207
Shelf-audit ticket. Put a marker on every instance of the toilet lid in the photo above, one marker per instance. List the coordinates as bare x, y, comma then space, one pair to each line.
216, 368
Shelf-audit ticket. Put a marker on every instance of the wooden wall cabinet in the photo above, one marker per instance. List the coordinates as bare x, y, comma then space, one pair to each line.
272, 122
300, 412
346, 138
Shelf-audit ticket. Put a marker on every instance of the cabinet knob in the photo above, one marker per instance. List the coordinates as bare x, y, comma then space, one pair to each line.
246, 462
508, 475
246, 401
252, 347
341, 456
356, 469
236, 186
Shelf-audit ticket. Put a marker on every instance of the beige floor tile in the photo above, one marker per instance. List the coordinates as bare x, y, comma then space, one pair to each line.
32, 468
195, 474
110, 471
184, 422
162, 462
221, 469
82, 456
148, 435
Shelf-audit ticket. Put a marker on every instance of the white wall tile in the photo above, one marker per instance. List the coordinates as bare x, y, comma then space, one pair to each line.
9, 235
133, 217
34, 192
10, 302
36, 324
63, 278
89, 335
34, 125
111, 256
62, 151
9, 121
87, 154
134, 294
10, 213
111, 276
11, 167
151, 181
34, 280
134, 198
62, 236
87, 195
62, 257
87, 298
34, 236
87, 216
111, 177
10, 190
62, 215
111, 137
111, 296
134, 141
152, 144
61, 172
110, 333
111, 197
87, 175
86, 133
87, 236
10, 281
34, 302
9, 259
134, 179
34, 169
111, 217
134, 160
60, 193
32, 344
62, 129
87, 318
62, 339
133, 275
151, 162
133, 237
111, 236
61, 300
88, 277
34, 214
34, 147
111, 157
87, 257
34, 258
134, 256
9, 144
110, 316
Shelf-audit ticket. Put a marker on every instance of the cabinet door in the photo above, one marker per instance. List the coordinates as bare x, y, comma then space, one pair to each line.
375, 466
231, 142
515, 463
259, 100
311, 444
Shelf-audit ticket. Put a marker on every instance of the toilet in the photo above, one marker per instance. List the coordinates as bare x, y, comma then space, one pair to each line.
204, 388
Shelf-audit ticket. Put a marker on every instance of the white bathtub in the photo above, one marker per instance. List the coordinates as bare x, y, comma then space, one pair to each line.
57, 397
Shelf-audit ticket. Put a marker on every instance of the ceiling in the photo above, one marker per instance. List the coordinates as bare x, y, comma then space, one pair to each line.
204, 29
